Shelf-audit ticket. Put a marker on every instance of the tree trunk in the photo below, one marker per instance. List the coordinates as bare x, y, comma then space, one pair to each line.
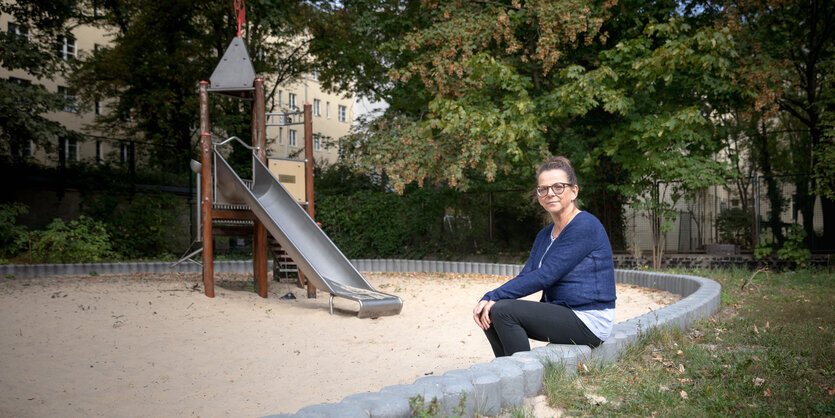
775, 198
657, 234
806, 205
827, 243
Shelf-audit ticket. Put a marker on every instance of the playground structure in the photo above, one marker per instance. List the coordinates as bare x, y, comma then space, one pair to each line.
263, 205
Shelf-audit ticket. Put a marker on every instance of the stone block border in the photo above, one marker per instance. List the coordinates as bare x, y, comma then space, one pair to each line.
506, 382
503, 382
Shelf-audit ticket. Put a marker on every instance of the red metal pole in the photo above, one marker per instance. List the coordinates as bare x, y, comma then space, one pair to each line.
259, 140
206, 191
308, 174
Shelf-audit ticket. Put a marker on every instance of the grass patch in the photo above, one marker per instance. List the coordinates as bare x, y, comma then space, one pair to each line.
769, 352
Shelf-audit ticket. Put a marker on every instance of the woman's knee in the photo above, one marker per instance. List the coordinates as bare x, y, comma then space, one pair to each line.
501, 308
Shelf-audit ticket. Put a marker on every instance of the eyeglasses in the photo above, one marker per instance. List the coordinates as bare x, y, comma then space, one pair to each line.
557, 188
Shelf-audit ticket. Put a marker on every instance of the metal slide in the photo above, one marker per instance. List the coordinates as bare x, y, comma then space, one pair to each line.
315, 254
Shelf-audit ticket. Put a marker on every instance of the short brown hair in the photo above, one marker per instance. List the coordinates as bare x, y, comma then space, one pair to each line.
558, 163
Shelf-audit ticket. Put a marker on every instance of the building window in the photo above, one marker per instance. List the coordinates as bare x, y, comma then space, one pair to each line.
70, 99
291, 101
317, 143
22, 32
97, 106
279, 98
20, 81
70, 149
66, 48
292, 138
24, 149
99, 158
124, 150
280, 136
317, 107
343, 112
328, 110
315, 75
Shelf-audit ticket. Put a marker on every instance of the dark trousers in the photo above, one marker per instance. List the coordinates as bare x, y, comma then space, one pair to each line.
514, 321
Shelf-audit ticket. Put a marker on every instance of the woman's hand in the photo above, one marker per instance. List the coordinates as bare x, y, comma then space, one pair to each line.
481, 313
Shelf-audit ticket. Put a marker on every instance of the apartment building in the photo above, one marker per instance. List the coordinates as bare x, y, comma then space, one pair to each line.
98, 145
332, 113
333, 116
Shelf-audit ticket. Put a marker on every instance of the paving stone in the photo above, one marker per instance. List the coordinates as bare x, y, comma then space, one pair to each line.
610, 350
379, 405
457, 394
409, 392
532, 372
487, 390
512, 382
328, 410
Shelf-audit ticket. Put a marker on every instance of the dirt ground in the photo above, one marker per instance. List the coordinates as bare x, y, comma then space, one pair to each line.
154, 345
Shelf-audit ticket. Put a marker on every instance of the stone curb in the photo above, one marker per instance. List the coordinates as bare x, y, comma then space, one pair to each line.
509, 380
27, 271
514, 378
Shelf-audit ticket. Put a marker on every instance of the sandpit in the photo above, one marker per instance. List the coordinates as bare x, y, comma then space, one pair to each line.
154, 345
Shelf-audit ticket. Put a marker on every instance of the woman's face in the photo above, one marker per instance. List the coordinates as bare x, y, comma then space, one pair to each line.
556, 203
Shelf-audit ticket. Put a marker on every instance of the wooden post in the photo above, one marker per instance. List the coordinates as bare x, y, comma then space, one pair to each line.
259, 140
206, 191
308, 175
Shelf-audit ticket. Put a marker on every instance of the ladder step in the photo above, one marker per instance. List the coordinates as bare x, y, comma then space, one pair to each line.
283, 266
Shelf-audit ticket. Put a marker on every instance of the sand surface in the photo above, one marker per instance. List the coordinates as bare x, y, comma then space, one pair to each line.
154, 345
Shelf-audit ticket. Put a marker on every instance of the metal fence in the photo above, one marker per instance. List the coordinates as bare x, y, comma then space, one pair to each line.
739, 214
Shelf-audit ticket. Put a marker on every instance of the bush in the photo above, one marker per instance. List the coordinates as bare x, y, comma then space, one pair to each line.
140, 225
734, 227
376, 224
794, 253
764, 250
10, 232
364, 218
82, 240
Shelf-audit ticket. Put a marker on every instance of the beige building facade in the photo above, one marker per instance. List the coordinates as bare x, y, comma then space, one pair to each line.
96, 147
333, 116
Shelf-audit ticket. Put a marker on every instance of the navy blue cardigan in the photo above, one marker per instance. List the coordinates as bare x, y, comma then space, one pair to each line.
577, 272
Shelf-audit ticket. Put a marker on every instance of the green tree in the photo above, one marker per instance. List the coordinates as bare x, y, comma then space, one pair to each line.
627, 95
31, 49
676, 76
148, 76
825, 169
354, 43
788, 60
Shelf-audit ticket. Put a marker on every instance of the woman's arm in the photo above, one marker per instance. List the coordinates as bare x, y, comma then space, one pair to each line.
533, 260
579, 238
